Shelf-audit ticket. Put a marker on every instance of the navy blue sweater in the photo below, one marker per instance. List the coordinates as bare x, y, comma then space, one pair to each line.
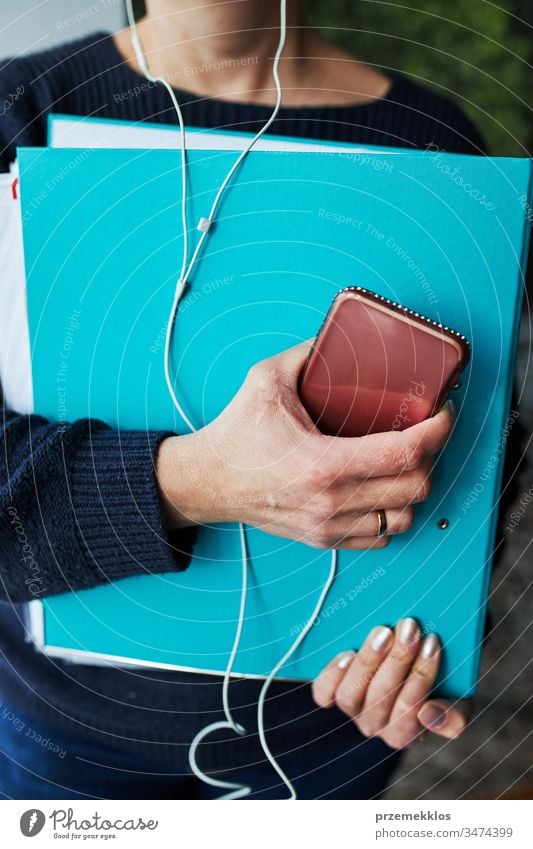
86, 499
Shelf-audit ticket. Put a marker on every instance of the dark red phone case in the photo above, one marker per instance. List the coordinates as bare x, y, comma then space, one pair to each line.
376, 366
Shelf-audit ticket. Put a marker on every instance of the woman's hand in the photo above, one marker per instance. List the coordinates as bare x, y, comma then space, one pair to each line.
263, 462
384, 687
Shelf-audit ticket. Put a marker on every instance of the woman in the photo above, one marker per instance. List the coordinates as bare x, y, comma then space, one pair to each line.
79, 494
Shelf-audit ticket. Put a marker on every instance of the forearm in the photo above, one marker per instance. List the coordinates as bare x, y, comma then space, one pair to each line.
79, 506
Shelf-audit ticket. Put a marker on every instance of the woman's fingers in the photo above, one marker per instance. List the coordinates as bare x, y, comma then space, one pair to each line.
361, 531
360, 543
325, 685
404, 726
398, 491
384, 687
383, 454
352, 689
368, 525
445, 718
386, 684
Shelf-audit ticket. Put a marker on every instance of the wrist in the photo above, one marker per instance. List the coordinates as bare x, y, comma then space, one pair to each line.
187, 474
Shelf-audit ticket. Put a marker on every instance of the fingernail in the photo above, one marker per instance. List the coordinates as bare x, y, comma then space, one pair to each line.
345, 659
451, 407
429, 647
434, 716
407, 631
380, 637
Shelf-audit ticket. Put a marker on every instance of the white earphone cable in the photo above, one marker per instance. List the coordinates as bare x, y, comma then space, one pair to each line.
237, 791
288, 654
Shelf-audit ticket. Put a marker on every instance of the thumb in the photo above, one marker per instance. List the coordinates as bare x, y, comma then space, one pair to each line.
292, 361
445, 718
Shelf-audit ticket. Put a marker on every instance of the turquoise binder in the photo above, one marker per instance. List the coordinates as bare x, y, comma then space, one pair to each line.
444, 234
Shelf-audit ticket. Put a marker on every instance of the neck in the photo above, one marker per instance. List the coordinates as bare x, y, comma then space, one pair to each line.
223, 48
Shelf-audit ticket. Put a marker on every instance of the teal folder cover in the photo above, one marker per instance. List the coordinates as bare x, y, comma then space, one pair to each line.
445, 235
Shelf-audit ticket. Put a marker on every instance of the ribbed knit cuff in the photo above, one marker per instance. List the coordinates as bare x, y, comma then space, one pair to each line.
117, 509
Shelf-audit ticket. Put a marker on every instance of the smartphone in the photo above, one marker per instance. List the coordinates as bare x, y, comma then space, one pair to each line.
376, 366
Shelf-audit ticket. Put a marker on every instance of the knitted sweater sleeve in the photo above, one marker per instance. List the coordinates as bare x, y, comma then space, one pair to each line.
79, 505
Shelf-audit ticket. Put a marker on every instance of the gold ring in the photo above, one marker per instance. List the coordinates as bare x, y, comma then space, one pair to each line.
382, 519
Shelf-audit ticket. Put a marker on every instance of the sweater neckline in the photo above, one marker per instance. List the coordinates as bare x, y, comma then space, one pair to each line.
185, 97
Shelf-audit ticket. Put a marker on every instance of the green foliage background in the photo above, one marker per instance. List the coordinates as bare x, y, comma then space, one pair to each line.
477, 51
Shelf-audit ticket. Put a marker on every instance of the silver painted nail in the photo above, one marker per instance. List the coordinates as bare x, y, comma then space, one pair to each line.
381, 638
429, 646
345, 659
407, 631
